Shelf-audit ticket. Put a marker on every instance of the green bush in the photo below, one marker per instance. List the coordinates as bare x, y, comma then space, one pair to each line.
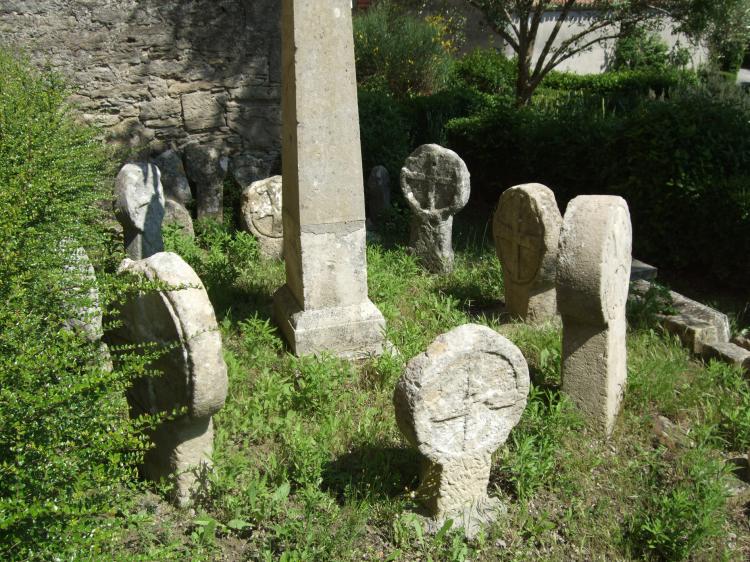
681, 164
67, 448
488, 71
640, 49
399, 52
384, 131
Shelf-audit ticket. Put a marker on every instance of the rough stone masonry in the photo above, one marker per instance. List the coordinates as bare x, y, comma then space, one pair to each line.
593, 274
158, 72
324, 304
456, 403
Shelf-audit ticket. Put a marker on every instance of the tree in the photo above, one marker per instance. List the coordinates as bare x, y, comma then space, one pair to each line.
518, 23
723, 24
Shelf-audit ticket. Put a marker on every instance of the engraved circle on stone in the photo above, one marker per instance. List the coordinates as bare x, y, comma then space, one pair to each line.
265, 212
616, 283
520, 233
464, 408
433, 191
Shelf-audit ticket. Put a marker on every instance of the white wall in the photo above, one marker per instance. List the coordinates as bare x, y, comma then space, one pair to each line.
596, 59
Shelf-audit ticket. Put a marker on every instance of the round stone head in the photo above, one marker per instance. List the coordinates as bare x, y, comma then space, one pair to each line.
181, 317
593, 268
435, 182
526, 228
463, 395
261, 207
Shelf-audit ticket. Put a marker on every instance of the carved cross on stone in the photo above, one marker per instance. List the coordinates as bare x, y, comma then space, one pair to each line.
457, 403
526, 228
435, 183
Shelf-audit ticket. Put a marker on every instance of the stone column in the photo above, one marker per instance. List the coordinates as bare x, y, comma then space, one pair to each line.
593, 273
324, 304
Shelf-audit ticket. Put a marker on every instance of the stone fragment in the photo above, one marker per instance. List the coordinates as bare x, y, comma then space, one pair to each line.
669, 434
642, 271
175, 213
729, 353
180, 319
203, 165
456, 403
742, 341
378, 192
436, 185
261, 215
593, 272
173, 178
696, 324
82, 293
324, 304
526, 228
139, 206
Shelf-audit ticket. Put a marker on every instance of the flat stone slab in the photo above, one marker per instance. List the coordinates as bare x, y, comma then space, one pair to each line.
702, 329
728, 352
642, 271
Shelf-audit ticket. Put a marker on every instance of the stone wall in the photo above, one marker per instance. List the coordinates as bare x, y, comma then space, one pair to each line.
161, 72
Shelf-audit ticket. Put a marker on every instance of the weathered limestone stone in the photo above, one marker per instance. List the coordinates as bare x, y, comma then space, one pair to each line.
696, 324
261, 215
642, 271
729, 353
203, 165
526, 228
80, 277
456, 403
593, 272
436, 185
175, 213
378, 192
245, 169
82, 299
194, 375
324, 304
173, 178
139, 206
202, 110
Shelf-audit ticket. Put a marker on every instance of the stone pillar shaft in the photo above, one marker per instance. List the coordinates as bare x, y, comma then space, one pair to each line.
324, 304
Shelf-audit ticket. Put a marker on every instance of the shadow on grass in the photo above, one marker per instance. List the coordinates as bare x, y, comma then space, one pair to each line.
372, 472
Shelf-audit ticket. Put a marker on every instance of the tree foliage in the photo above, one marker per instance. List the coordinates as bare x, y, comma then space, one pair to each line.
518, 22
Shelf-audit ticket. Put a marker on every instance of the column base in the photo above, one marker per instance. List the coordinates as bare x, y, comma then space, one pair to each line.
348, 331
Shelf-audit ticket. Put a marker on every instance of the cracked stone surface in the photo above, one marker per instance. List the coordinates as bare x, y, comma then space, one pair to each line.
526, 228
139, 207
456, 403
261, 215
194, 375
436, 184
593, 274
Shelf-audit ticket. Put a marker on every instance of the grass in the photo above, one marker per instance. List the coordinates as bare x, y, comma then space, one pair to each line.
309, 464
